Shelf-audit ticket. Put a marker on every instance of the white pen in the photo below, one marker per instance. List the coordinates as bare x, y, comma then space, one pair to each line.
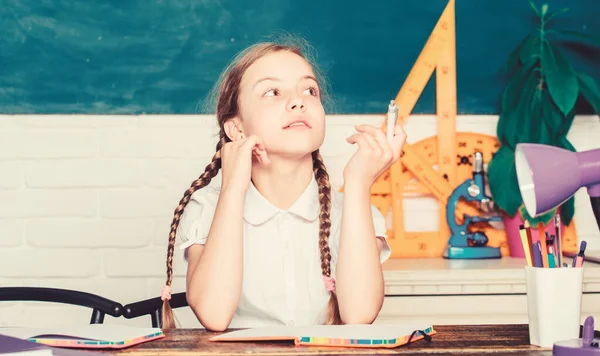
392, 117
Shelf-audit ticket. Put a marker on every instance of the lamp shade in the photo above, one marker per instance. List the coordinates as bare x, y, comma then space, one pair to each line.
547, 176
550, 175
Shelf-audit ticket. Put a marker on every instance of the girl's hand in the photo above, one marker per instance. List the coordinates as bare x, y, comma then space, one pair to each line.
236, 162
374, 155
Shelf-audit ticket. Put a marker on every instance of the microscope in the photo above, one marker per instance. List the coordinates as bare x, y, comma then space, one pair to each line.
465, 244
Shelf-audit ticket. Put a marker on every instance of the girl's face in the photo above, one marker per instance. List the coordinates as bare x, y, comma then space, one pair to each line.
280, 102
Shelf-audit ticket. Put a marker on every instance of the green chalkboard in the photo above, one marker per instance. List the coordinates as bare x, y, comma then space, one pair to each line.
163, 56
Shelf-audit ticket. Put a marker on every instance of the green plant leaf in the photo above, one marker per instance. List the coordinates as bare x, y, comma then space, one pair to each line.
563, 142
534, 8
556, 13
530, 125
502, 179
514, 89
533, 221
589, 90
505, 121
530, 51
567, 211
545, 136
558, 123
503, 128
514, 57
511, 111
540, 130
581, 36
519, 128
552, 117
564, 128
544, 10
560, 78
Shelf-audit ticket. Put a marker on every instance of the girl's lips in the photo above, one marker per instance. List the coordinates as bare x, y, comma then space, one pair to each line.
297, 124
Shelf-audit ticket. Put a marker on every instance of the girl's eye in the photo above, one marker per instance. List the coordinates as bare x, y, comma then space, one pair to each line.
271, 92
312, 91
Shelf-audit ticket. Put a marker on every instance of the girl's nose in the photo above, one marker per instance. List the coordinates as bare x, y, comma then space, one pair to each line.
296, 103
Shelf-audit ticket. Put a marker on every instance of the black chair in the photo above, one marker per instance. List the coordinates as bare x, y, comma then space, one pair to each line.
153, 307
100, 306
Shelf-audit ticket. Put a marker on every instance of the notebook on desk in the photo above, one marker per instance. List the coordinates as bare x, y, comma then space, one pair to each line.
379, 335
86, 336
18, 347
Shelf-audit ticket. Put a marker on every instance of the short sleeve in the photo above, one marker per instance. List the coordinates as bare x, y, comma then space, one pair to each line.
197, 217
379, 224
381, 231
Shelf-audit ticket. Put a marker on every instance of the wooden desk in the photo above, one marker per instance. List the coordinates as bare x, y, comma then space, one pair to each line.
449, 340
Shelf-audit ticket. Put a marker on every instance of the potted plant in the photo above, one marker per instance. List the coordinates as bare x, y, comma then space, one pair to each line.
538, 106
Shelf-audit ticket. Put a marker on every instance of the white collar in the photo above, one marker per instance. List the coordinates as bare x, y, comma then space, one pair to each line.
257, 209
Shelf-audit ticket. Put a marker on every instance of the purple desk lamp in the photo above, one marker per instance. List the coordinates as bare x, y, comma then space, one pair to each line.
547, 177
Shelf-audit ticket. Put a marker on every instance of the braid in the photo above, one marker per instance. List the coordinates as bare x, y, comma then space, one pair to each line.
322, 179
210, 172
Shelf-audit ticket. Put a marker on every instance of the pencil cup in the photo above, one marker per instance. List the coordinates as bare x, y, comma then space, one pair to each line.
553, 304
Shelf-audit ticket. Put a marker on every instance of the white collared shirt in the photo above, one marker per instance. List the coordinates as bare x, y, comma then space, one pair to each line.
282, 281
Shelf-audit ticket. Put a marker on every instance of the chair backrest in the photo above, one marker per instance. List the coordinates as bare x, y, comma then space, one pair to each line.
100, 306
153, 307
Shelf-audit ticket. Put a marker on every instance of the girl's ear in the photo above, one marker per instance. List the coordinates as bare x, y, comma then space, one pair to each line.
233, 129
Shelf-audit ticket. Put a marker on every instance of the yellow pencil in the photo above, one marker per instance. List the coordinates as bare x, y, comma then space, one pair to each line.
526, 247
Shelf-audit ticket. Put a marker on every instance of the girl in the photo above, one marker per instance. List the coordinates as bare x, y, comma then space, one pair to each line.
273, 244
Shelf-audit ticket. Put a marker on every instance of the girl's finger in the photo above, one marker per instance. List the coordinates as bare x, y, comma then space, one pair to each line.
251, 141
262, 156
367, 128
370, 138
257, 156
379, 137
398, 140
359, 139
238, 143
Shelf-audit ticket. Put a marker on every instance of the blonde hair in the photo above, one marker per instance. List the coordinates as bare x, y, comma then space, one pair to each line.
225, 94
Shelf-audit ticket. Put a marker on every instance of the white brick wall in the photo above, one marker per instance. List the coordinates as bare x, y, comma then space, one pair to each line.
86, 201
